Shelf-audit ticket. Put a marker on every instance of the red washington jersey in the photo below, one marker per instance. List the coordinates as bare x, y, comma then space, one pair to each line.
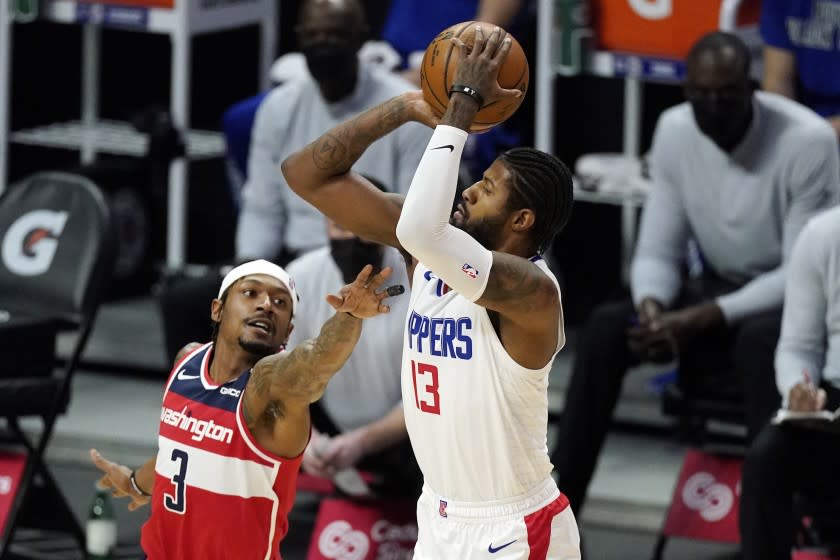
217, 494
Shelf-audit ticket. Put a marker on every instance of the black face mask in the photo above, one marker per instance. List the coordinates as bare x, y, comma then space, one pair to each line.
333, 65
724, 121
351, 256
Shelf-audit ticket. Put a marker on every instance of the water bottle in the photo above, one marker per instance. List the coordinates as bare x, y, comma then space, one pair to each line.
101, 529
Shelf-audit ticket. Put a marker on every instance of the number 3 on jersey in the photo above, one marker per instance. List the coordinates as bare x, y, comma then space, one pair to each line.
425, 379
178, 502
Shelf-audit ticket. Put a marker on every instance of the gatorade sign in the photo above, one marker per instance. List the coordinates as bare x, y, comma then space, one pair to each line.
665, 28
652, 9
31, 241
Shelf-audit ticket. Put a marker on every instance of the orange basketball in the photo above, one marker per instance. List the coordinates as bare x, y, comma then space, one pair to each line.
441, 61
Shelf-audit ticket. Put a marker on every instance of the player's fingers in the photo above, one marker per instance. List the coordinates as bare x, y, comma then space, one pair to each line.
99, 461
384, 308
380, 277
510, 93
363, 276
335, 301
478, 42
493, 42
390, 291
105, 482
460, 45
503, 50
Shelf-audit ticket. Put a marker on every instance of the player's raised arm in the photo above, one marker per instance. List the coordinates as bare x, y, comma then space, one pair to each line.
299, 377
484, 252
320, 172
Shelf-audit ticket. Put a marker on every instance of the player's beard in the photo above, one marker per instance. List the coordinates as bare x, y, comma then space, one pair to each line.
486, 230
258, 349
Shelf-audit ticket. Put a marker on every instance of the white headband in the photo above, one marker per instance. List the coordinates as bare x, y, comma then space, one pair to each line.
260, 267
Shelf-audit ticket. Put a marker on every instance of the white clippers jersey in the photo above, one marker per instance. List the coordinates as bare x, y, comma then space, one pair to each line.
477, 419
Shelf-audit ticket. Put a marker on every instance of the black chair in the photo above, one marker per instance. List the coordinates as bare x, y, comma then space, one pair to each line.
56, 254
716, 398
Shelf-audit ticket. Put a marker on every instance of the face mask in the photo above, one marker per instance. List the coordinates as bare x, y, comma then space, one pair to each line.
723, 121
351, 256
333, 65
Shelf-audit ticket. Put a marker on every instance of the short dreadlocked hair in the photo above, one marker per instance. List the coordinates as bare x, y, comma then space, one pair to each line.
542, 183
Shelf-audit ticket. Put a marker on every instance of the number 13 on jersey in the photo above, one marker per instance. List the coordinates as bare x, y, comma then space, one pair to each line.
425, 380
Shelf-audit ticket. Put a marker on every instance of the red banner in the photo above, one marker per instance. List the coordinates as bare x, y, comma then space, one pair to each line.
705, 501
375, 530
11, 470
813, 555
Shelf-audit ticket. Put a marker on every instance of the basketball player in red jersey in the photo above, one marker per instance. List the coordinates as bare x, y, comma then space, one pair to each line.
235, 419
485, 318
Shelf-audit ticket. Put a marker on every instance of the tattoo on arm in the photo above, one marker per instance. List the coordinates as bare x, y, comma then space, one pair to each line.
513, 279
337, 151
303, 373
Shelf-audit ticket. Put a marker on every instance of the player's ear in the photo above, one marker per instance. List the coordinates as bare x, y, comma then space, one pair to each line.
523, 219
216, 310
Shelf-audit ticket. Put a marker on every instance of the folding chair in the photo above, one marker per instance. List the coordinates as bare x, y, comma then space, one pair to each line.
704, 504
56, 253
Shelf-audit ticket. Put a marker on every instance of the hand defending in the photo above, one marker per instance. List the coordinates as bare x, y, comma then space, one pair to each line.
116, 478
360, 299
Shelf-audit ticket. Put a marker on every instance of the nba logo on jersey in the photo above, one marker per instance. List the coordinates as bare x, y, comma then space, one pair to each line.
442, 508
469, 270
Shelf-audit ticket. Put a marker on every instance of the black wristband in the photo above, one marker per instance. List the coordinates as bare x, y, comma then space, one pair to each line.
467, 90
136, 487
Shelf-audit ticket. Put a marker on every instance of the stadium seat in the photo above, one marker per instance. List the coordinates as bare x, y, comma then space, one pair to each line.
56, 255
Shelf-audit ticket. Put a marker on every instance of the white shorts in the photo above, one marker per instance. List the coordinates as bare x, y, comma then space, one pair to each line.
537, 526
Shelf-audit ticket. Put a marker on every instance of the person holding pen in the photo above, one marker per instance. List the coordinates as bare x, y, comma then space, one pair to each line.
799, 455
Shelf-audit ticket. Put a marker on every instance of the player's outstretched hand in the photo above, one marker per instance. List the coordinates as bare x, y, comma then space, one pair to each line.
116, 478
360, 298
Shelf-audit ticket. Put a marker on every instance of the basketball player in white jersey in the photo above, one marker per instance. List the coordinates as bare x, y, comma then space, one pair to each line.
485, 319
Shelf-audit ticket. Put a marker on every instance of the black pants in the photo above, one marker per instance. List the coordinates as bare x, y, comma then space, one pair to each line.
783, 462
395, 469
602, 358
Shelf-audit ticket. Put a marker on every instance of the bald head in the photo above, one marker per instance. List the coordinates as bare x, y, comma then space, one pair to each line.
721, 53
330, 34
349, 14
718, 87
